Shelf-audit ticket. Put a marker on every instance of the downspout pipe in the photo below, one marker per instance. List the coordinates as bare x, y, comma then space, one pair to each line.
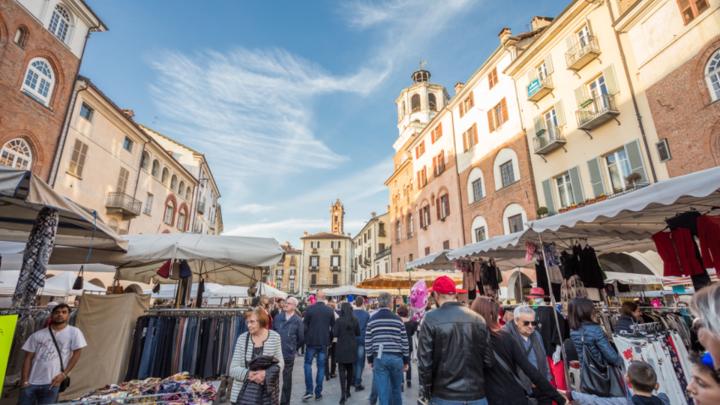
632, 95
62, 137
137, 180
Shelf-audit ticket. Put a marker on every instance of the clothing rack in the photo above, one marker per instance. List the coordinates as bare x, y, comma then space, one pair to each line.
196, 311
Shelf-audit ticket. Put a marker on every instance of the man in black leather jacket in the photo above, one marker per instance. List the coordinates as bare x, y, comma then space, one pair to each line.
453, 349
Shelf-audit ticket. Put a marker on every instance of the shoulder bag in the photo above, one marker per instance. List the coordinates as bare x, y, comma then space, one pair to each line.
597, 377
66, 382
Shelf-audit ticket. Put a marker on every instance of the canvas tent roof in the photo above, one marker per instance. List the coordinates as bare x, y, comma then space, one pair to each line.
23, 195
269, 291
346, 290
620, 224
435, 260
59, 285
228, 260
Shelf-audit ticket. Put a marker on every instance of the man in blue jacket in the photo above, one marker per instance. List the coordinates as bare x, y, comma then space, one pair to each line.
292, 334
363, 317
319, 320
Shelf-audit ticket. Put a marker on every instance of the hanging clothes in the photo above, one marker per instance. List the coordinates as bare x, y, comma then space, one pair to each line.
35, 258
590, 272
708, 231
676, 251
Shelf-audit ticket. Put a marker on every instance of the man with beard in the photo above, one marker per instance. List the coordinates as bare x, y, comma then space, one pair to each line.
50, 354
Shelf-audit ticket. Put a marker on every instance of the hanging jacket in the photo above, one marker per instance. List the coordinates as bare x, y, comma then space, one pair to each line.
708, 228
677, 251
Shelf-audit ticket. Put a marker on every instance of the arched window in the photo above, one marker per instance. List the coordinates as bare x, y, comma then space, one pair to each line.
144, 160
21, 36
432, 102
506, 169
39, 80
60, 23
181, 220
712, 75
169, 212
479, 229
415, 103
188, 193
514, 218
173, 182
475, 186
165, 175
16, 153
181, 190
155, 168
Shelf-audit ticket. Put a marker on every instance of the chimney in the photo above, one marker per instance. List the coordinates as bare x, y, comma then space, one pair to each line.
305, 233
538, 22
129, 113
373, 214
504, 35
458, 87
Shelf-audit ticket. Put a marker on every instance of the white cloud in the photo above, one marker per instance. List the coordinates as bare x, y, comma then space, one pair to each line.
250, 208
274, 227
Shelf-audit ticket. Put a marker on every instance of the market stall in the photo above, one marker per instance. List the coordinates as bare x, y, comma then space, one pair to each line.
345, 290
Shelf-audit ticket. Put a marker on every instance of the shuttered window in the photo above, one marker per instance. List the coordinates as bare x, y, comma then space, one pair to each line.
122, 180
77, 159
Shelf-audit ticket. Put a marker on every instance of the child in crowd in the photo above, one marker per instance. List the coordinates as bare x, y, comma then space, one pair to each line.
643, 380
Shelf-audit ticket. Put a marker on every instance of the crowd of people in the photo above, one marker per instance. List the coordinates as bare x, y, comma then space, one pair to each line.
466, 354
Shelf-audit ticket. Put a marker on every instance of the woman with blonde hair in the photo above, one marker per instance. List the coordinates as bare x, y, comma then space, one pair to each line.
705, 306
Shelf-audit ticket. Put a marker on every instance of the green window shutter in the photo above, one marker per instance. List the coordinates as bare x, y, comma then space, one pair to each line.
576, 185
538, 125
549, 65
570, 42
596, 178
560, 112
581, 94
610, 80
547, 190
634, 155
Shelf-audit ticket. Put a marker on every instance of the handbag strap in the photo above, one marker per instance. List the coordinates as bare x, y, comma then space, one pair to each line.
52, 335
247, 343
507, 369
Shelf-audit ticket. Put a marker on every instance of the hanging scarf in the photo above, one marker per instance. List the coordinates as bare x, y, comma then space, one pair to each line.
35, 258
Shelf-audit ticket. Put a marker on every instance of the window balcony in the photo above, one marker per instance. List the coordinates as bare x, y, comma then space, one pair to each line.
596, 111
123, 204
581, 54
539, 88
314, 268
201, 207
335, 268
548, 139
336, 250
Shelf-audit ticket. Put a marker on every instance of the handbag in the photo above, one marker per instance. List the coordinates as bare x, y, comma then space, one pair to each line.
598, 378
66, 382
507, 369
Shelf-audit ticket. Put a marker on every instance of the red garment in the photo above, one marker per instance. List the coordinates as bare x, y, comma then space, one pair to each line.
708, 229
558, 373
677, 250
164, 270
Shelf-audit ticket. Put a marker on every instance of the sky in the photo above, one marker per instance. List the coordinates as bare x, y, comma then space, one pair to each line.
292, 102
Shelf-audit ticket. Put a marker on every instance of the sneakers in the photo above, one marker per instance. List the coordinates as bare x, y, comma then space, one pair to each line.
307, 397
359, 388
318, 397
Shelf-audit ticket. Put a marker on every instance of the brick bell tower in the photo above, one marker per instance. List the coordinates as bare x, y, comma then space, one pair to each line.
337, 218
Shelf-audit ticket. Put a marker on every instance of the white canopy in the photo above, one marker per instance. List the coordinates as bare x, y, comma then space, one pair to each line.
633, 279
431, 261
346, 290
234, 260
622, 223
23, 195
269, 291
232, 291
59, 285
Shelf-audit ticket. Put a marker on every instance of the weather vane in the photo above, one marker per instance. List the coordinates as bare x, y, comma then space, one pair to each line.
423, 63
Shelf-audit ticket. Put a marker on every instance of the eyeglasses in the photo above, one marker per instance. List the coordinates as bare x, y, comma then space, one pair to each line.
533, 323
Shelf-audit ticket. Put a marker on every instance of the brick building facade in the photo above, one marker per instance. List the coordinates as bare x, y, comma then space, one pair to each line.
41, 47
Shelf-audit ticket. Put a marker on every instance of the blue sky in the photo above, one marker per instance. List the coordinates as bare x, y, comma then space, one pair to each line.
292, 102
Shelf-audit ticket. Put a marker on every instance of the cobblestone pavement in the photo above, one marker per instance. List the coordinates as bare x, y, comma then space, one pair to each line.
331, 389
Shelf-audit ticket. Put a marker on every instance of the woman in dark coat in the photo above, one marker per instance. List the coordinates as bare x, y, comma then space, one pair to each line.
346, 329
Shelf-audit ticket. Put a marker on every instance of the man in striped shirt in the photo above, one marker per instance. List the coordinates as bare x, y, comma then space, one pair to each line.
388, 351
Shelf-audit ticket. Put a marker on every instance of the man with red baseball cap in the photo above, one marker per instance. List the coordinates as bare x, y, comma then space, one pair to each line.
456, 373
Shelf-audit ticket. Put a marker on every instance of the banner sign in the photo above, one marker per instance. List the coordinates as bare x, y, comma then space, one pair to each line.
7, 333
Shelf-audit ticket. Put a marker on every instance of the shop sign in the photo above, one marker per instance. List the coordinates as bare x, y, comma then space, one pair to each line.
533, 87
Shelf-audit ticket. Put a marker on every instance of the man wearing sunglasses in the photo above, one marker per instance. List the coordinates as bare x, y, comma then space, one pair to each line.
523, 329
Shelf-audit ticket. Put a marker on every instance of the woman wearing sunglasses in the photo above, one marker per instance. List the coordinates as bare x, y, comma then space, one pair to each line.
706, 307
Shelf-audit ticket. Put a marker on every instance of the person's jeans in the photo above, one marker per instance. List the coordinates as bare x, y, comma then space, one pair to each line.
287, 380
388, 378
438, 401
359, 365
38, 395
310, 353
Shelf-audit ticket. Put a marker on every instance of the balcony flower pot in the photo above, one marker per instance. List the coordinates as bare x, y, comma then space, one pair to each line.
586, 103
542, 212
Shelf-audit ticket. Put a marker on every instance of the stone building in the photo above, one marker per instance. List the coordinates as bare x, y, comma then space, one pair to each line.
205, 214
327, 256
370, 245
286, 275
107, 163
41, 47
